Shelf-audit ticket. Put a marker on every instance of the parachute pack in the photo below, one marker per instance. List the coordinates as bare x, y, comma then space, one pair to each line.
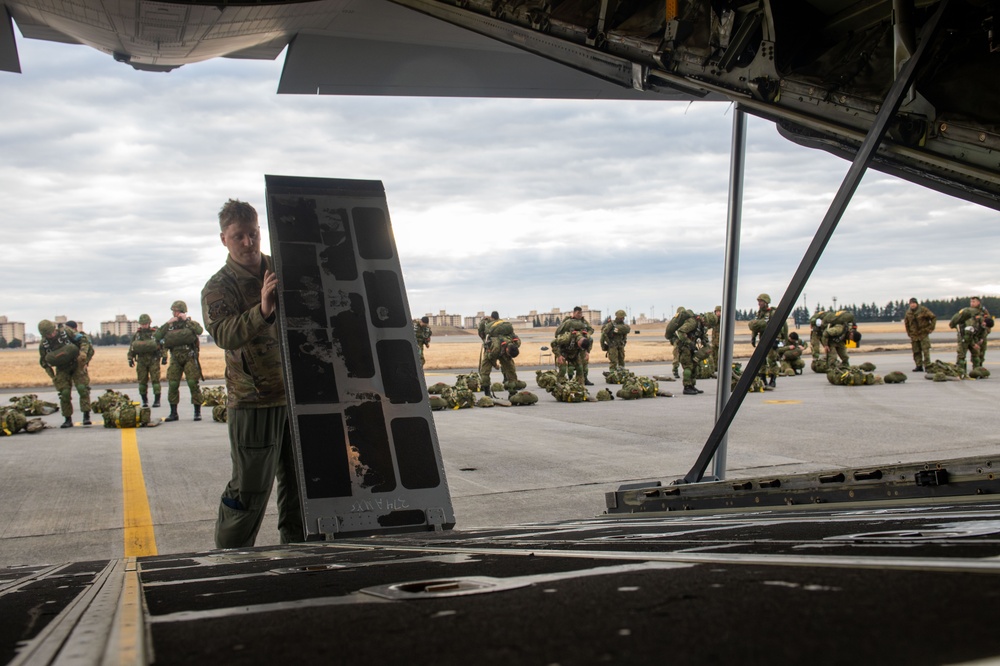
216, 398
119, 411
145, 346
180, 337
63, 357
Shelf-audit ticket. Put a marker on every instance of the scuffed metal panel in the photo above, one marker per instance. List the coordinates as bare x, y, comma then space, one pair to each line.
361, 420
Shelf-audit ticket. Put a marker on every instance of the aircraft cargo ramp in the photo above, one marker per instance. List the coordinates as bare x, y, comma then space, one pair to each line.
890, 583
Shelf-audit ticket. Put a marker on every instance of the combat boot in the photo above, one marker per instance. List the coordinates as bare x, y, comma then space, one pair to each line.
677, 375
587, 382
197, 412
919, 368
68, 423
86, 418
156, 400
145, 399
770, 382
486, 391
173, 414
690, 390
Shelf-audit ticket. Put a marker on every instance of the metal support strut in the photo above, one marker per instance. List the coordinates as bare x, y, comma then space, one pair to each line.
866, 151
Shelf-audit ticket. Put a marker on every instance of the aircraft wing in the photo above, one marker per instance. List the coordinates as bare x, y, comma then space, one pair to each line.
819, 69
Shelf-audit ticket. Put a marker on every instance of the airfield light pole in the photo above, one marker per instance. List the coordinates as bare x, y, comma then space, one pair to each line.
865, 154
727, 326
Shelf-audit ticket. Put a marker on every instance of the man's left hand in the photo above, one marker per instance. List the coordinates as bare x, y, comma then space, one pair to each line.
269, 294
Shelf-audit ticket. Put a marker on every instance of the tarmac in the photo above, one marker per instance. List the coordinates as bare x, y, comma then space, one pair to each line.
61, 490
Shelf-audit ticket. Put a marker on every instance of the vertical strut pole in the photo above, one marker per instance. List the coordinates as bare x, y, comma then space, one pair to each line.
727, 327
851, 181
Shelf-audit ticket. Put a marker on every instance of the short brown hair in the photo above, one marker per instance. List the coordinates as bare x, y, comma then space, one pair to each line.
235, 211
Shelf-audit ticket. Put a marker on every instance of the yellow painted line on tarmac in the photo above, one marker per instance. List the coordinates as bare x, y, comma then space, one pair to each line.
782, 402
139, 537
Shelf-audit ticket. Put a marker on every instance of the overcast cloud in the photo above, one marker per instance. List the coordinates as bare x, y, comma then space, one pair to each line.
111, 181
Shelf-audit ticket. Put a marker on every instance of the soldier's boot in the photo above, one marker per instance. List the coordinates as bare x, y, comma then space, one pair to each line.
145, 399
919, 368
68, 423
173, 414
770, 382
86, 418
587, 382
690, 390
156, 400
486, 391
677, 375
197, 412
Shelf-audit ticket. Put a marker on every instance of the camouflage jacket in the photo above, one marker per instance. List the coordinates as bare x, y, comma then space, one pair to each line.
161, 334
422, 332
230, 302
64, 337
140, 335
614, 334
919, 323
694, 330
760, 322
973, 324
570, 324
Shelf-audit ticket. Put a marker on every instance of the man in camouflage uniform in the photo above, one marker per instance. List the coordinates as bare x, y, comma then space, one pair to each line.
834, 339
919, 322
816, 327
422, 332
576, 322
713, 321
791, 356
572, 349
65, 368
180, 337
500, 347
769, 371
972, 325
614, 336
239, 304
692, 338
671, 336
144, 355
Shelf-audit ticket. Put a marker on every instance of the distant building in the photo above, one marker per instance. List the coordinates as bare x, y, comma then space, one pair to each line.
444, 319
120, 326
9, 330
473, 322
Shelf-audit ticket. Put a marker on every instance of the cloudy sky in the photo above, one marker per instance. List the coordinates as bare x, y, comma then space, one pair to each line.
111, 181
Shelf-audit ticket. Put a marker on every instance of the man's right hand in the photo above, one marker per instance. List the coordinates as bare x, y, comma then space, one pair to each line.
131, 363
163, 361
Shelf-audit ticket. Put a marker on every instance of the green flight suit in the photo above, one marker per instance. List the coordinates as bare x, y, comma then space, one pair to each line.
66, 376
497, 335
919, 324
147, 364
581, 358
614, 337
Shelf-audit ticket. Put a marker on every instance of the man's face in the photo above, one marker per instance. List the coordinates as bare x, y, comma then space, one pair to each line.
177, 314
144, 327
761, 303
913, 306
974, 302
243, 242
577, 314
52, 335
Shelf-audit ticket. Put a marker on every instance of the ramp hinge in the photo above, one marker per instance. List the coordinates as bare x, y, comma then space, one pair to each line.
435, 519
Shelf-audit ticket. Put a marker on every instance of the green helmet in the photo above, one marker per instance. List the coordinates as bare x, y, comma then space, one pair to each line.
620, 314
765, 298
46, 327
680, 309
180, 306
144, 319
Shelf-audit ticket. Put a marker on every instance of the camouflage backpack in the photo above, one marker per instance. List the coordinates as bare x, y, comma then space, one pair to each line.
62, 357
32, 406
213, 396
220, 413
546, 379
11, 421
570, 391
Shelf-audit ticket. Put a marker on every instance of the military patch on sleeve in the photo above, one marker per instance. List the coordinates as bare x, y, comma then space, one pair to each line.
219, 309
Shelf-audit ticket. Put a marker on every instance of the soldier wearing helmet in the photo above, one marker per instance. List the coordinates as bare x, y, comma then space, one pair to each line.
422, 332
614, 337
769, 370
144, 354
575, 323
240, 304
64, 354
920, 323
179, 336
972, 325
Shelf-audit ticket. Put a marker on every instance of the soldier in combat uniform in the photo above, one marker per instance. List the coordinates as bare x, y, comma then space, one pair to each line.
144, 354
422, 332
691, 338
919, 322
614, 337
972, 325
64, 355
180, 337
576, 322
240, 307
500, 347
769, 371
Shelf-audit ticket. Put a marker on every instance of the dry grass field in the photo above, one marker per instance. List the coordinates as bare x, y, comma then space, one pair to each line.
19, 368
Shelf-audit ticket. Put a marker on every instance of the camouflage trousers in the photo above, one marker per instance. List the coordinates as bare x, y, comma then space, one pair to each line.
677, 357
976, 355
506, 367
260, 445
616, 356
573, 366
186, 365
421, 348
840, 349
921, 350
816, 345
686, 356
771, 365
147, 370
66, 378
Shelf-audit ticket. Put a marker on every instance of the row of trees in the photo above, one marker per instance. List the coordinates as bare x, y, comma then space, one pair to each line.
891, 311
13, 344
